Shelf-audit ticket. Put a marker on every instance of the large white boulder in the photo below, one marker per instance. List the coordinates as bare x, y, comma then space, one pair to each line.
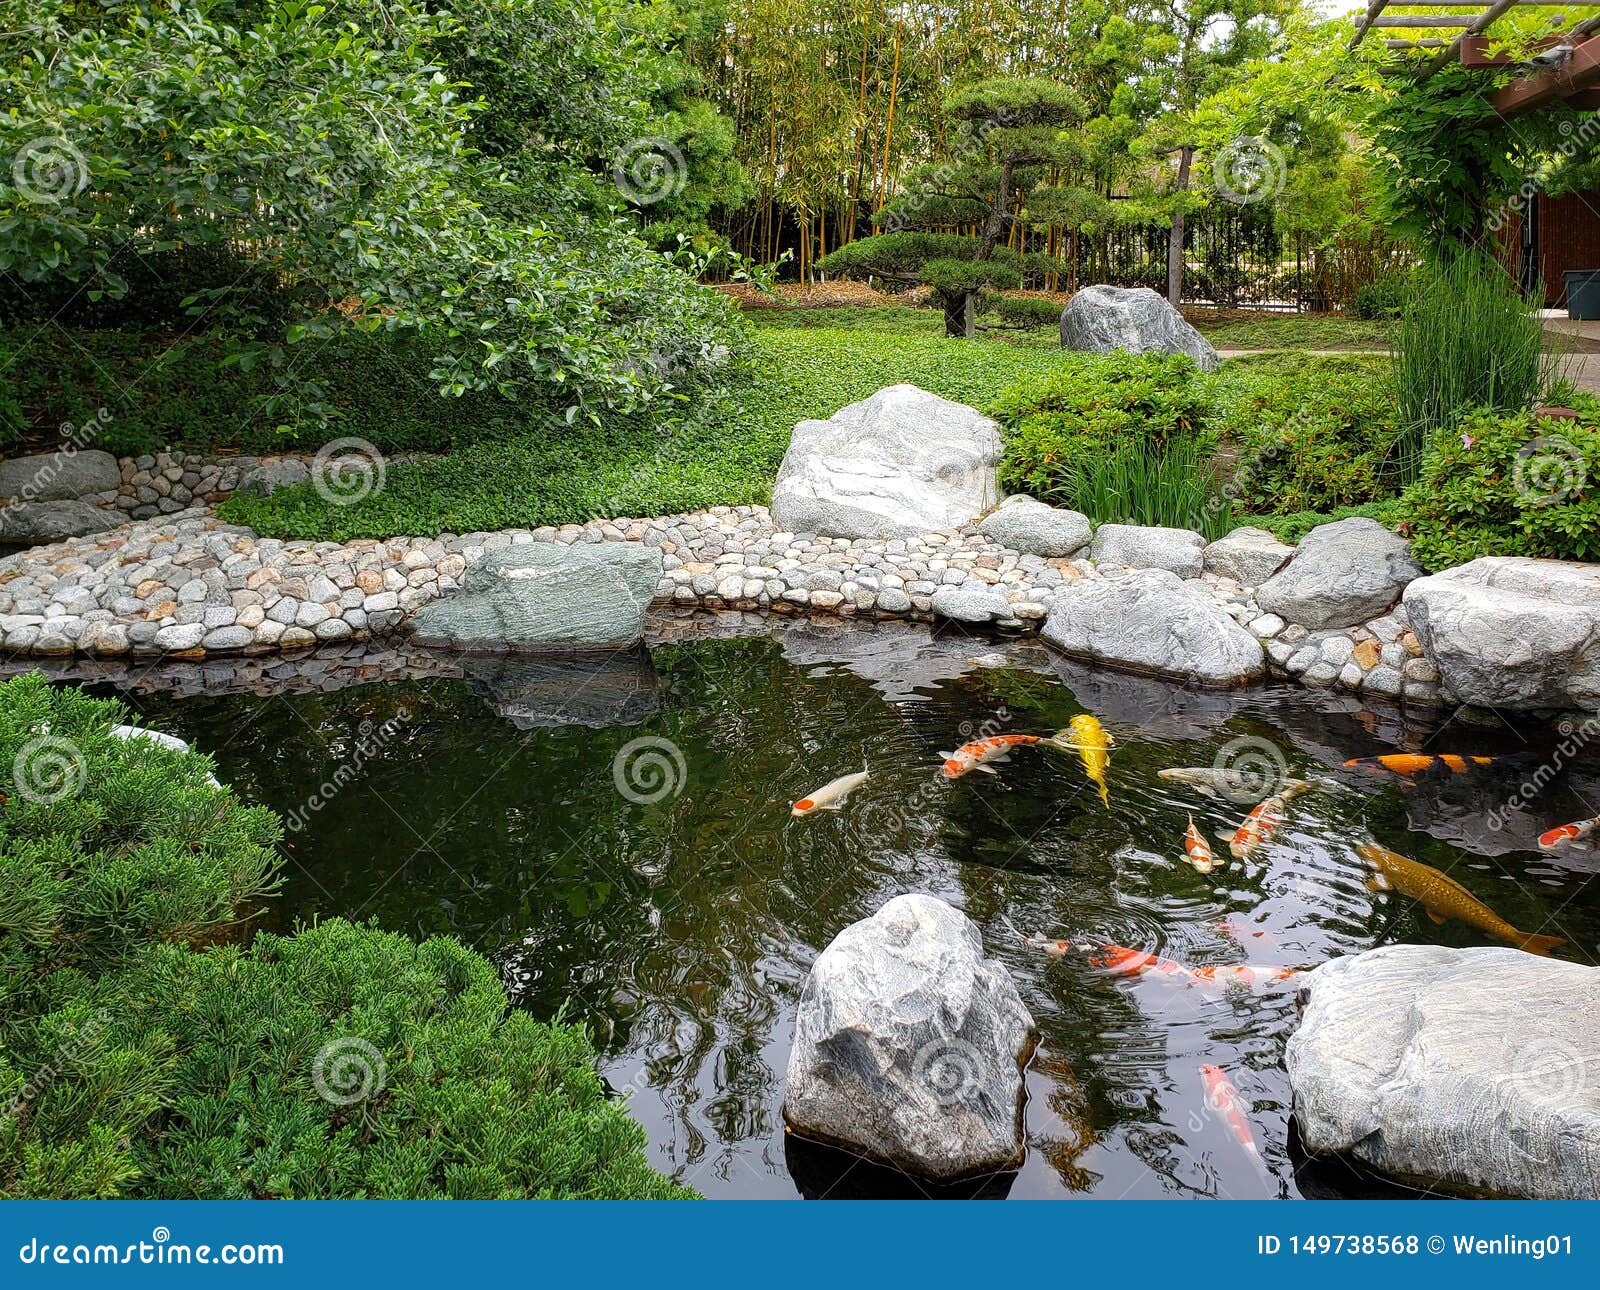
1341, 574
1149, 546
1100, 319
899, 463
1151, 620
1026, 524
1512, 632
1478, 1068
909, 1045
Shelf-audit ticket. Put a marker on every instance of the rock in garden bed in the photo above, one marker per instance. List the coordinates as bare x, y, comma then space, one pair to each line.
1512, 632
909, 1045
1151, 620
36, 523
1247, 555
1140, 546
901, 463
1342, 573
1026, 524
1477, 1068
536, 596
1100, 319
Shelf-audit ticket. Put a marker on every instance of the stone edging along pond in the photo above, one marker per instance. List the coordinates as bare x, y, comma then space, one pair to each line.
188, 585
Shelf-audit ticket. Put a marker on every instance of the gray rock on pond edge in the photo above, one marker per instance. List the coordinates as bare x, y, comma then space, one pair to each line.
1101, 319
1026, 524
1341, 574
1475, 1068
898, 464
1247, 555
909, 1045
1144, 546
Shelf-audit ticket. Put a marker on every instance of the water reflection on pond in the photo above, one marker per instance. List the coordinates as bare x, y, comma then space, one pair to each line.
675, 906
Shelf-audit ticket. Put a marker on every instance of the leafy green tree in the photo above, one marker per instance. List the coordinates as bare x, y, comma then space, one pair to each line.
1012, 132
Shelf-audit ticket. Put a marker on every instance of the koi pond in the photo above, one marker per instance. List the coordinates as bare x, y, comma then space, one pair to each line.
619, 840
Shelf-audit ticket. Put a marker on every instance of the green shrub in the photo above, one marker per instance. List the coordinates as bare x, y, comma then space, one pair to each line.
1498, 484
1383, 298
1291, 528
1467, 338
1313, 437
145, 1052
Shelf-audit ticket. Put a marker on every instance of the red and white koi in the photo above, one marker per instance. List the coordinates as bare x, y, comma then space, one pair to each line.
1223, 1099
1121, 961
1197, 849
1259, 825
1566, 834
980, 752
831, 796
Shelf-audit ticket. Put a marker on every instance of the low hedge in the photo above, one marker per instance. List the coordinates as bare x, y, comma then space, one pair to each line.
147, 1051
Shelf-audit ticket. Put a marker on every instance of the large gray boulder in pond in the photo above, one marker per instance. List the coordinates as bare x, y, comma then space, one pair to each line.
1151, 620
1247, 555
1478, 1068
1100, 319
1341, 574
36, 523
909, 1045
897, 464
1512, 632
546, 596
1140, 546
1026, 524
59, 476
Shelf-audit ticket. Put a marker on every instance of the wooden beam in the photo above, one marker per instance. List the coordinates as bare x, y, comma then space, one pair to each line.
1423, 20
1477, 51
1364, 21
1579, 72
1484, 22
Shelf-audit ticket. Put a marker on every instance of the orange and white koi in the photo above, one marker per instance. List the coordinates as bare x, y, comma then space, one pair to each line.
1259, 825
1223, 1099
831, 796
1566, 834
1197, 849
980, 752
1405, 764
1239, 931
1121, 961
1051, 948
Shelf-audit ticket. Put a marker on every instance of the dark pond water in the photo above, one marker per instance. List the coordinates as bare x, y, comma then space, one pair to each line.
681, 928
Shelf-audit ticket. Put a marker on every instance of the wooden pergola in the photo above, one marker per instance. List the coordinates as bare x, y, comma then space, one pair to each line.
1563, 64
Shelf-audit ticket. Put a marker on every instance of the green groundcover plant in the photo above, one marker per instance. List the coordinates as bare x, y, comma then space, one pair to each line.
147, 1050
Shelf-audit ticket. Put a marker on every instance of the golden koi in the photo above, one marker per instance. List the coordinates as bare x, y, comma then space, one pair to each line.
831, 796
1223, 1099
1406, 764
1566, 834
1085, 736
1443, 897
980, 752
1197, 849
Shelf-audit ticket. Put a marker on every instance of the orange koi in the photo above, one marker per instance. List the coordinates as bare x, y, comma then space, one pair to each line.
1121, 961
1415, 763
980, 752
1566, 834
1223, 1099
1251, 975
1256, 829
1197, 849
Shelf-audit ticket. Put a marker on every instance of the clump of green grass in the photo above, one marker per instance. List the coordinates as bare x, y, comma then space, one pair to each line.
1140, 483
1302, 331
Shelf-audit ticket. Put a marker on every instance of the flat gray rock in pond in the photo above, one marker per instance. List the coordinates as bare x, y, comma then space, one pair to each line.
1151, 620
1342, 573
1100, 319
1512, 632
36, 523
971, 602
897, 464
59, 476
1026, 524
909, 1045
546, 596
1479, 1068
1247, 555
1139, 546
